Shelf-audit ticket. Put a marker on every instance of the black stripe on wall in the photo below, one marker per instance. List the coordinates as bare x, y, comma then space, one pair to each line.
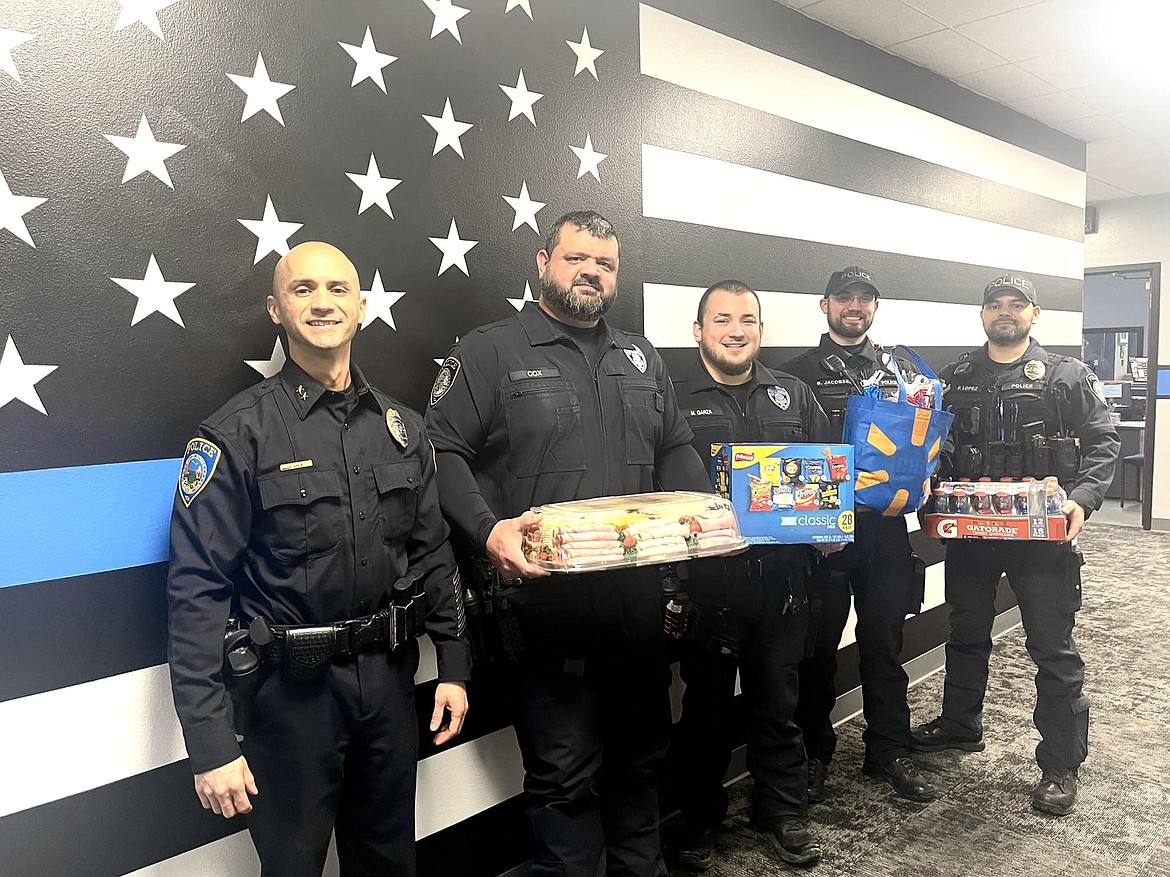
486, 845
681, 253
701, 125
785, 32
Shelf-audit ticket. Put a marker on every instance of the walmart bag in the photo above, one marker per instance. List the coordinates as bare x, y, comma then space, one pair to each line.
896, 444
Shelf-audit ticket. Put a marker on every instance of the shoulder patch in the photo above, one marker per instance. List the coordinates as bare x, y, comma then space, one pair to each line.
1094, 383
445, 378
199, 464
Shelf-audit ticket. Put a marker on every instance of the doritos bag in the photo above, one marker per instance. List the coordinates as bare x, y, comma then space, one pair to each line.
896, 444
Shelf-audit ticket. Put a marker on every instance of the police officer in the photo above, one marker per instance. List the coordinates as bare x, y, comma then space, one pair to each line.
1020, 411
300, 504
878, 567
551, 405
750, 611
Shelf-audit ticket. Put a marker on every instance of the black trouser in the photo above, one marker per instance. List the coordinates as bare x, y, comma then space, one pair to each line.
593, 721
760, 614
878, 568
1046, 578
336, 753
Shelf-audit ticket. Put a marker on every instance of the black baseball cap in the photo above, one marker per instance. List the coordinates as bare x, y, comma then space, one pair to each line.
1021, 286
838, 280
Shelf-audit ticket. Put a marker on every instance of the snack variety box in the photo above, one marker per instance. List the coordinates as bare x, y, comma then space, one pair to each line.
787, 494
1024, 510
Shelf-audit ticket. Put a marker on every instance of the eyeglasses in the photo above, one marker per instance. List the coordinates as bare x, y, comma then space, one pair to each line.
844, 298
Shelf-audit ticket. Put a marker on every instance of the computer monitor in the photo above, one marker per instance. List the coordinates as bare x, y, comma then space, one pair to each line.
1117, 393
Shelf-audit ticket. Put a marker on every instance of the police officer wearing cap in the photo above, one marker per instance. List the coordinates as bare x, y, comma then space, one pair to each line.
302, 503
750, 612
1022, 411
552, 405
878, 568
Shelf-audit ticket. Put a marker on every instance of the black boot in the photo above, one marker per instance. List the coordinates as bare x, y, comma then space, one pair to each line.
694, 850
933, 737
903, 775
1057, 792
793, 843
817, 773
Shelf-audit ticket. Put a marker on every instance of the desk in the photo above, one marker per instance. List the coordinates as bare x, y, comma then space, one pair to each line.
1131, 432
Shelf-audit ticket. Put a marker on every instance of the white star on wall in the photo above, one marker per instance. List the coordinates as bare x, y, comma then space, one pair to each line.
518, 303
375, 188
454, 250
270, 367
518, 4
9, 40
18, 381
522, 99
448, 130
271, 234
155, 295
586, 54
443, 359
379, 302
526, 209
12, 211
589, 158
144, 154
145, 11
447, 17
368, 61
262, 92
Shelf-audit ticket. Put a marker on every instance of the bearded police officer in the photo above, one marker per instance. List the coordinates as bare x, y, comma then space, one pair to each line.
878, 567
1021, 411
750, 611
307, 509
552, 405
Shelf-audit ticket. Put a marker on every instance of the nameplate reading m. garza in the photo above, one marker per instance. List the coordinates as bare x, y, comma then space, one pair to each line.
799, 493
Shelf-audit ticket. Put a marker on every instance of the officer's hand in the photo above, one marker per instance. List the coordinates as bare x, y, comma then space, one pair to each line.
827, 548
225, 789
450, 697
505, 548
1074, 517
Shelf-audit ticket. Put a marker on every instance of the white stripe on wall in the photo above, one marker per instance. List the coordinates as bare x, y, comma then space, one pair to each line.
793, 319
683, 53
683, 187
129, 728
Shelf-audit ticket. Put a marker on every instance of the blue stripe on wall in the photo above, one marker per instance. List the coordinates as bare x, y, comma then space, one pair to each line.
86, 519
1163, 383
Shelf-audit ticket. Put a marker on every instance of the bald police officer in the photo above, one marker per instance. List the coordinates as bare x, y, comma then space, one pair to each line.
551, 405
1012, 394
301, 503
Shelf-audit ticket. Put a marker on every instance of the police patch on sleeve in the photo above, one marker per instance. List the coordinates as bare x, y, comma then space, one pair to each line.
1094, 383
199, 463
445, 378
779, 397
636, 357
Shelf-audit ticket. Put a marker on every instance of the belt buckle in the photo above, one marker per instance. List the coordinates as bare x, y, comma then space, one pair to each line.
347, 638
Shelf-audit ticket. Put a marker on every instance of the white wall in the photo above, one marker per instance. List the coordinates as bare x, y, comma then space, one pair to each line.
1135, 230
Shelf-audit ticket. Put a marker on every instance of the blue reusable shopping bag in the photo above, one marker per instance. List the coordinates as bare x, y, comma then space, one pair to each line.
896, 444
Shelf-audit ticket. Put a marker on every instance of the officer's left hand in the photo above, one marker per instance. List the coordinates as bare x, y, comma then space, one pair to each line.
1074, 517
452, 697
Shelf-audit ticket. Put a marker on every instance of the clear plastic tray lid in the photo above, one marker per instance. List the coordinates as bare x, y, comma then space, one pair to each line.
620, 531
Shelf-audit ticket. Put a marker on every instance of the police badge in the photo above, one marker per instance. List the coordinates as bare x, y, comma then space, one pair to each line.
444, 379
199, 463
396, 426
1035, 369
637, 357
779, 397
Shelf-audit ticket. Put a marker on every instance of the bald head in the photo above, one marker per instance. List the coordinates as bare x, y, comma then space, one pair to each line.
313, 259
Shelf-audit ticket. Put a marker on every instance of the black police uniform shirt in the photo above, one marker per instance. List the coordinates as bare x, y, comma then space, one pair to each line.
1059, 390
299, 507
538, 423
833, 390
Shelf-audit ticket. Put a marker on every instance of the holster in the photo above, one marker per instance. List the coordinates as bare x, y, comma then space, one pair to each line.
495, 631
242, 674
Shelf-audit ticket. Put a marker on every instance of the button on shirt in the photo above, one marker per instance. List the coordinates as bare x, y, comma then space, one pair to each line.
311, 512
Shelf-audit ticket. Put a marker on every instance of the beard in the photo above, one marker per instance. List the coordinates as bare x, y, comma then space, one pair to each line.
847, 330
583, 308
718, 358
1005, 333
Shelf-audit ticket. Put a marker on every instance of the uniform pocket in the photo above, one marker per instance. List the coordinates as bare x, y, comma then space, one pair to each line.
710, 431
780, 429
642, 410
302, 513
398, 485
543, 420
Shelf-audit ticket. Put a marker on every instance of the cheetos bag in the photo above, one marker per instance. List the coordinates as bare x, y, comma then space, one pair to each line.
896, 444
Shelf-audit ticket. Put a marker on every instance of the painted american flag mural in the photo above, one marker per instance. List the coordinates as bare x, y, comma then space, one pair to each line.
156, 158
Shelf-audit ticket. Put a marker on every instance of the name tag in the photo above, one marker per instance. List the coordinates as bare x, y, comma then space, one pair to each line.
528, 374
299, 464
